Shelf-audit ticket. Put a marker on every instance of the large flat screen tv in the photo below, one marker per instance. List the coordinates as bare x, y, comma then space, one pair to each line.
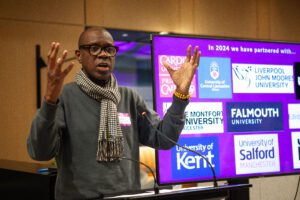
244, 111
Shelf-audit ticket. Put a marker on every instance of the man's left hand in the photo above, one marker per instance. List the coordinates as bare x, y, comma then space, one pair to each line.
183, 76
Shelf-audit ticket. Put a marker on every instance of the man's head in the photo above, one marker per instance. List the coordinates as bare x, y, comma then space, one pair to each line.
96, 53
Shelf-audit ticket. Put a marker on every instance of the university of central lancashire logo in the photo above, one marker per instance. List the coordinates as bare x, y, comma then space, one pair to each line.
214, 70
214, 78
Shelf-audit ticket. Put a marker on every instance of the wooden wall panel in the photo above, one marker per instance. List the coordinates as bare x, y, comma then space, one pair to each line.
54, 11
263, 19
186, 17
229, 18
285, 20
18, 81
149, 15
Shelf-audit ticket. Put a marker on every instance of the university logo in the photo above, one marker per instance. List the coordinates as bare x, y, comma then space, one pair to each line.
294, 115
203, 117
254, 116
214, 70
166, 84
296, 149
297, 79
242, 73
256, 153
214, 78
260, 78
187, 165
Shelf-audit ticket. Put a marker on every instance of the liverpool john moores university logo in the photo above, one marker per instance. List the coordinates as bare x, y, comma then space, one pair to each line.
262, 78
242, 74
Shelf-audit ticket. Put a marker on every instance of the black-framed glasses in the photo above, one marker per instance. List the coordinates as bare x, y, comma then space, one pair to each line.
95, 50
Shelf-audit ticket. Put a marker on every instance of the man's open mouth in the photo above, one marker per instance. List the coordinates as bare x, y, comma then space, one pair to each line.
102, 65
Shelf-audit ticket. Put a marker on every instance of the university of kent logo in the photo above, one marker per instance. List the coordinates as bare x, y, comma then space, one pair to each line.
214, 70
188, 165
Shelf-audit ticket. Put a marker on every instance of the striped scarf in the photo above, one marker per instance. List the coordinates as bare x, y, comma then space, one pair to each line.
110, 138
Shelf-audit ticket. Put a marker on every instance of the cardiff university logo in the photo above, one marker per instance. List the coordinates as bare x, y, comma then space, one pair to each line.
214, 70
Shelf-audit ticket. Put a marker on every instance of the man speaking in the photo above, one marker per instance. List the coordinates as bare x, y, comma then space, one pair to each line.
90, 124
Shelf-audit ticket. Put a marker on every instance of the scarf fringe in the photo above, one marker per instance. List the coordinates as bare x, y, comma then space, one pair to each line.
109, 151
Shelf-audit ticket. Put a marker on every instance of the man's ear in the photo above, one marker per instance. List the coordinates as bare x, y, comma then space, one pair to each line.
78, 55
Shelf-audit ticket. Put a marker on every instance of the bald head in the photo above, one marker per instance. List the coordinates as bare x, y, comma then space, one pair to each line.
97, 67
93, 30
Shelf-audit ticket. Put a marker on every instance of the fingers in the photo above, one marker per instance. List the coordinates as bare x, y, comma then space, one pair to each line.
51, 50
68, 69
195, 58
50, 62
188, 54
195, 54
168, 67
52, 54
196, 63
61, 60
55, 64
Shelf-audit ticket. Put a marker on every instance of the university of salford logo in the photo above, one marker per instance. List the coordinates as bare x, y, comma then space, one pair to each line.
214, 70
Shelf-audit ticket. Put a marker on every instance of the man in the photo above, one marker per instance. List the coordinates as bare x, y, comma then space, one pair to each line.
93, 123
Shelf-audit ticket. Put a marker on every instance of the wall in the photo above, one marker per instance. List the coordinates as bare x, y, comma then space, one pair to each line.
23, 24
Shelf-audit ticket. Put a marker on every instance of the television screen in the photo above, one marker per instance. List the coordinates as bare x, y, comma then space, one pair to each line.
133, 66
244, 111
133, 62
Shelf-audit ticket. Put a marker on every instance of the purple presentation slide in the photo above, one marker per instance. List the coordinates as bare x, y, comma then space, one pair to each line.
244, 111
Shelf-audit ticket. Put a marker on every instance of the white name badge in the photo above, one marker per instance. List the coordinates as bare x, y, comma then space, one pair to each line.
124, 119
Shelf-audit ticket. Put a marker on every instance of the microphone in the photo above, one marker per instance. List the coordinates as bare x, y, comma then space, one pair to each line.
155, 186
143, 113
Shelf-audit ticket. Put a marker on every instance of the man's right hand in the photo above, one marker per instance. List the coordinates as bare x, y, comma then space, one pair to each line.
55, 74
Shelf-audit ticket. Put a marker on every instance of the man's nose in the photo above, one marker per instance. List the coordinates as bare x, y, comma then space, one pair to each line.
103, 53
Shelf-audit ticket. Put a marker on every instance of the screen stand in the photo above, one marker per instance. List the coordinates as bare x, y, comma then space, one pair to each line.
239, 194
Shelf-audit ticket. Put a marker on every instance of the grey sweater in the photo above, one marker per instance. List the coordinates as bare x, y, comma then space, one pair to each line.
69, 132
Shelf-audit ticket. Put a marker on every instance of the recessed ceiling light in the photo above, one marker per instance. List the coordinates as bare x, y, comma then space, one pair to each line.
163, 33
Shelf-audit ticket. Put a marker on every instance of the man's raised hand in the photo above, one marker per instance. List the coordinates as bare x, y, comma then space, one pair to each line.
183, 77
55, 73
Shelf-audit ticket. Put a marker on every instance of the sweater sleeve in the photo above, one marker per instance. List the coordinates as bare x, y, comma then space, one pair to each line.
44, 136
171, 125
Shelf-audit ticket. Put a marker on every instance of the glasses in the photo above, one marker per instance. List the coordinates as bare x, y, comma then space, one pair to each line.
95, 50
